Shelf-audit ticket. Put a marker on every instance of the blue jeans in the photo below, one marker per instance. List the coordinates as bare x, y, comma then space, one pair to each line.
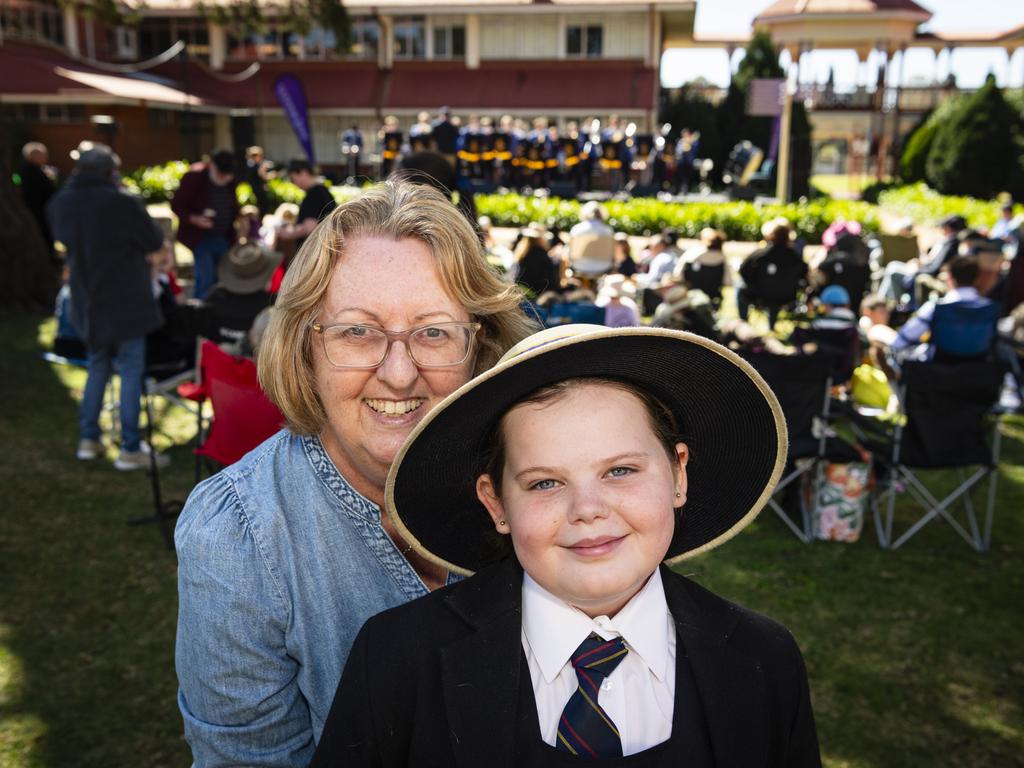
206, 257
131, 363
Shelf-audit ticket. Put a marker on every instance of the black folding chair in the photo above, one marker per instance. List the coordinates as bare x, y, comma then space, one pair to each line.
949, 424
803, 385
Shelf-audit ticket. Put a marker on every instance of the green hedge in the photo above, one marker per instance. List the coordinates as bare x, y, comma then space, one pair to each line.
926, 206
158, 183
645, 216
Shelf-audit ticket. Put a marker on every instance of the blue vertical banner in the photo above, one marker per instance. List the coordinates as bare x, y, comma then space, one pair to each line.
289, 91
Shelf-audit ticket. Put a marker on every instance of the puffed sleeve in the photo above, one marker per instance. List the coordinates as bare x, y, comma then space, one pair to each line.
238, 688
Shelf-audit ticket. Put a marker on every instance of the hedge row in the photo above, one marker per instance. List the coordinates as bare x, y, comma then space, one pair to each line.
645, 216
926, 206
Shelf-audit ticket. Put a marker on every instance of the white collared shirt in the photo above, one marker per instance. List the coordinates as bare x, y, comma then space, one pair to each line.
638, 696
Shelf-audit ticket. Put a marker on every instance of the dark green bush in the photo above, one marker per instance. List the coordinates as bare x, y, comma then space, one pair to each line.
974, 151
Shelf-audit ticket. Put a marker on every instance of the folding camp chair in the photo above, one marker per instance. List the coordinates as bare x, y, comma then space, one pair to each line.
243, 417
803, 385
962, 329
947, 410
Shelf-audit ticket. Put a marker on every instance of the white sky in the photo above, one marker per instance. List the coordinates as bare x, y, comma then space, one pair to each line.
970, 65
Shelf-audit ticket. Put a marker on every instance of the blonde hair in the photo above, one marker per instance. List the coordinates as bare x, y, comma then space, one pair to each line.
397, 210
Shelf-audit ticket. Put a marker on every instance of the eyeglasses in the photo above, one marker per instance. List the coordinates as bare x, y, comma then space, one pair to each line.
438, 345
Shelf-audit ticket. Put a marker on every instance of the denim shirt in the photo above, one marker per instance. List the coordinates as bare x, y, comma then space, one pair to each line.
280, 563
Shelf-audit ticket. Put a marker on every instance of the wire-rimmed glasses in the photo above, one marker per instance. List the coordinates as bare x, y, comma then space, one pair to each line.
436, 345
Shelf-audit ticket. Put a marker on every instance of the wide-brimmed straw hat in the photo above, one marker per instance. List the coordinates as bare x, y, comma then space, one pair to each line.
247, 267
731, 420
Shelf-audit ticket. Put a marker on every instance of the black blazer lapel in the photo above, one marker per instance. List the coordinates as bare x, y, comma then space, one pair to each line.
480, 672
730, 684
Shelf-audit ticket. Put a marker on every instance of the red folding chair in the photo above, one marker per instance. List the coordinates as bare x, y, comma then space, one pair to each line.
243, 417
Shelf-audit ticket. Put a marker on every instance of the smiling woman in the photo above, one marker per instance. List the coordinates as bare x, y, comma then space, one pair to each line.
388, 307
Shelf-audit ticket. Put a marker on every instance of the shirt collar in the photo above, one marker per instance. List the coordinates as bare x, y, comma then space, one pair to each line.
554, 629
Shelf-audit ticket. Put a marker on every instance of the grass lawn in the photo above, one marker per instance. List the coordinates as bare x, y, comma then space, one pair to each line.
914, 656
842, 185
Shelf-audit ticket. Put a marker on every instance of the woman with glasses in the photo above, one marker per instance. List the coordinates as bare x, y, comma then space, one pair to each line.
388, 307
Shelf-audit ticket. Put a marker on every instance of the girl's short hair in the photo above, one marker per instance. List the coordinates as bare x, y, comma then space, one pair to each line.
660, 418
397, 210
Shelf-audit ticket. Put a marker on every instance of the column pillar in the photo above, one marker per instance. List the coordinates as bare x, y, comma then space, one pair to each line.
218, 45
71, 30
386, 47
473, 41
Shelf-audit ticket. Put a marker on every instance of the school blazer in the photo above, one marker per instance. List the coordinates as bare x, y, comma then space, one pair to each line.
436, 682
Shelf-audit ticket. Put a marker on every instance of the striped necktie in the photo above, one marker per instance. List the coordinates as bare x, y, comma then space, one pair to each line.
585, 728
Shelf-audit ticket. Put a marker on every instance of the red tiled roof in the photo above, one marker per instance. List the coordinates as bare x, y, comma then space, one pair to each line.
46, 71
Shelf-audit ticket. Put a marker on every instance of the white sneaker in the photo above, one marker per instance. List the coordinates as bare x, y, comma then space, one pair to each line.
89, 450
129, 460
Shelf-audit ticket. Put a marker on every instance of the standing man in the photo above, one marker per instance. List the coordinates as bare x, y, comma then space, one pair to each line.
109, 237
446, 135
257, 171
313, 209
351, 149
37, 186
206, 206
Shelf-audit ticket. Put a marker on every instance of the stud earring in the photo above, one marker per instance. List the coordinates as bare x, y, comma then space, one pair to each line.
501, 523
679, 495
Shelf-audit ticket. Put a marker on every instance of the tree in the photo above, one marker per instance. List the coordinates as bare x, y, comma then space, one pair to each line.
689, 109
977, 150
245, 17
735, 125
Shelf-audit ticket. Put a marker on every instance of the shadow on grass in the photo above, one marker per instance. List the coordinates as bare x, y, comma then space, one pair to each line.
89, 607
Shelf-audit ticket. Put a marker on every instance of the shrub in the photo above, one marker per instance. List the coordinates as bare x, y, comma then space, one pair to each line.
645, 216
926, 206
974, 151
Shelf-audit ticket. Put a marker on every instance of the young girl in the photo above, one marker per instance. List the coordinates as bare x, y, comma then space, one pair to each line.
599, 454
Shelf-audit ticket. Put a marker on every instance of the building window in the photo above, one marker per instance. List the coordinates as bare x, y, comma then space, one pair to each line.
410, 37
449, 41
365, 36
32, 21
44, 113
155, 35
584, 41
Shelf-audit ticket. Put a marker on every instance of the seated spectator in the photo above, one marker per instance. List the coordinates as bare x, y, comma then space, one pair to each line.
1007, 227
662, 257
285, 216
67, 343
901, 277
835, 330
498, 256
910, 341
240, 293
171, 348
772, 275
686, 309
704, 267
592, 242
533, 267
845, 262
617, 297
247, 225
624, 263
874, 321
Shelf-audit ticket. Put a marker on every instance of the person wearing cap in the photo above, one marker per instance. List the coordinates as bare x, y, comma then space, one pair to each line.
566, 482
108, 235
388, 308
207, 206
240, 294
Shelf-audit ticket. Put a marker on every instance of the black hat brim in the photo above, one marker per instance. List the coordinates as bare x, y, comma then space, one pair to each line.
731, 419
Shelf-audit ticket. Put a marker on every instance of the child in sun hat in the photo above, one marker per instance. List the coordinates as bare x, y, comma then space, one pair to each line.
568, 477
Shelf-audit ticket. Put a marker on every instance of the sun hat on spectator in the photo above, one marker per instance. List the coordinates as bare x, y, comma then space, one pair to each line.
247, 267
